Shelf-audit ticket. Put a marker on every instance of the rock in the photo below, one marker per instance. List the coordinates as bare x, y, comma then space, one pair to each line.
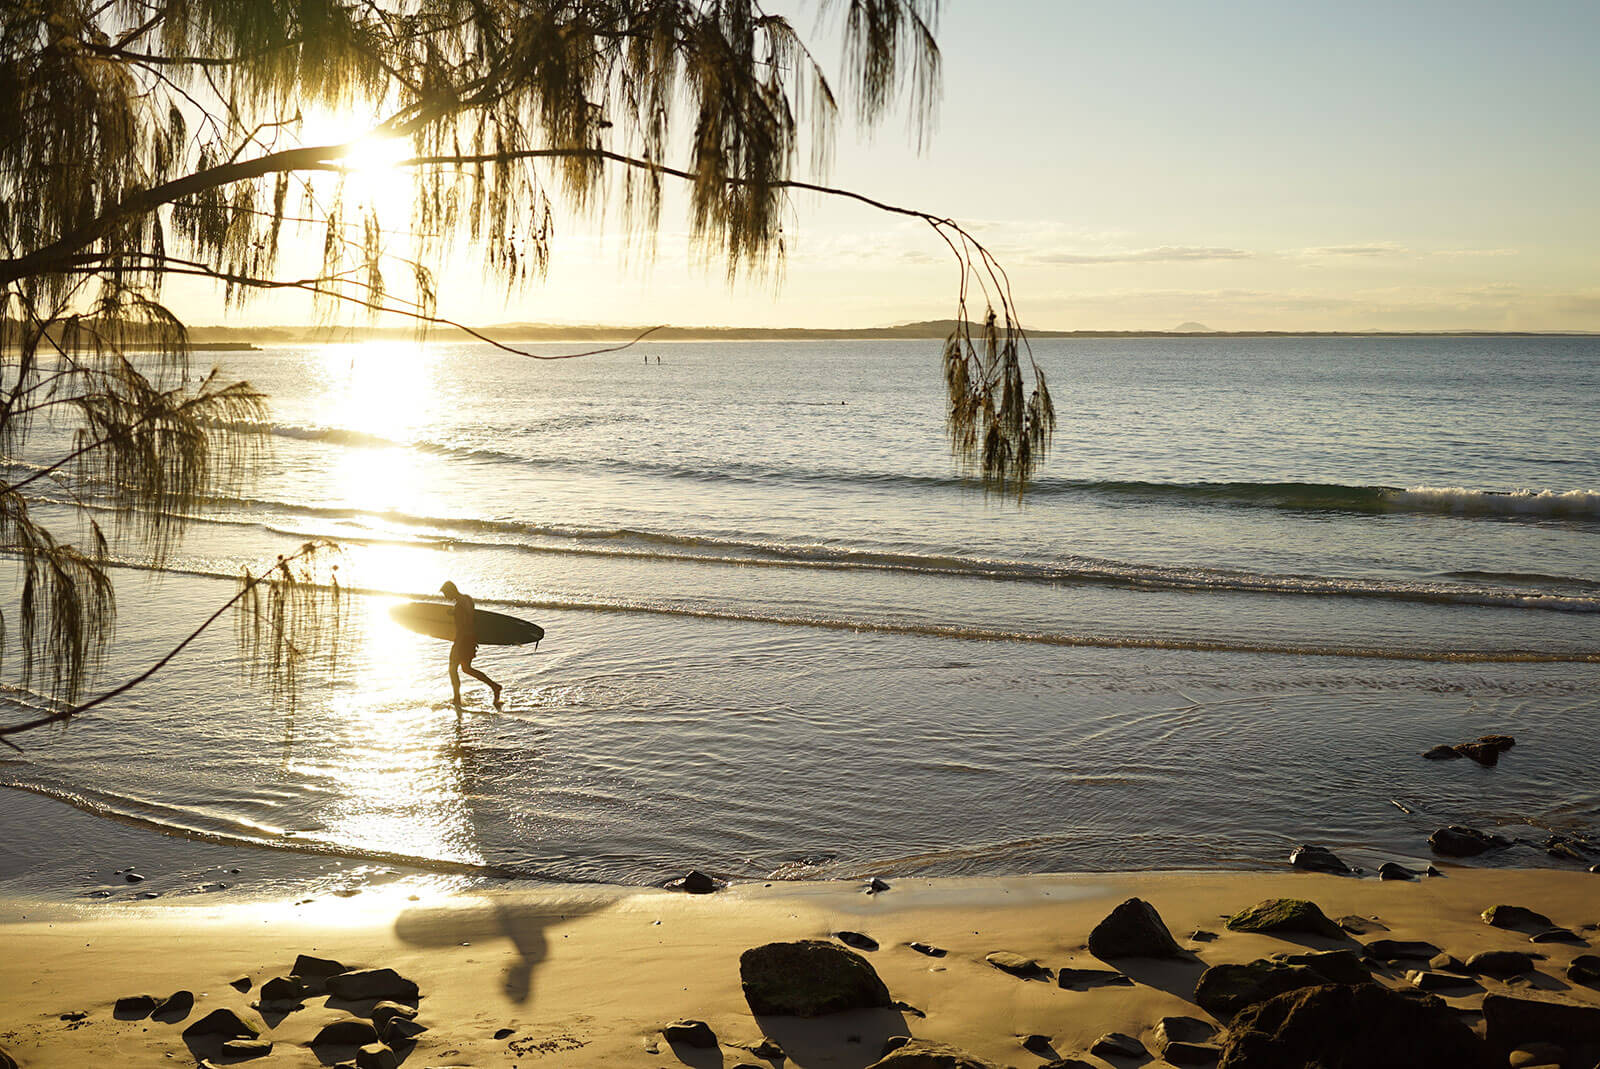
1500, 963
400, 1030
1337, 966
225, 1023
1069, 1063
1086, 978
1396, 949
1531, 1055
690, 1034
241, 984
1171, 1030
1458, 841
1515, 917
7, 1061
857, 940
1585, 969
1224, 990
363, 984
1117, 1045
1017, 965
281, 990
1192, 1053
1037, 1044
386, 1011
1427, 980
174, 1008
1317, 859
1341, 1026
134, 1007
893, 1043
376, 1056
1390, 870
809, 978
1511, 1022
1133, 930
133, 877
1595, 867
768, 1048
1200, 935
1503, 742
1556, 935
921, 1054
1446, 963
1361, 925
1284, 915
306, 966
1481, 752
906, 1007
876, 885
350, 1032
1441, 752
928, 949
245, 1049
696, 883
503, 1033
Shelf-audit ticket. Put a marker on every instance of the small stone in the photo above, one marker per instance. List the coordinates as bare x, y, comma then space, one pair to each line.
1200, 935
133, 877
400, 1030
281, 990
690, 1034
876, 885
244, 1049
1585, 969
1441, 753
1481, 752
1361, 925
385, 1011
376, 1056
1395, 949
1447, 963
928, 949
222, 1023
906, 1007
695, 883
363, 984
1133, 930
350, 1032
857, 940
503, 1033
1426, 980
307, 966
1087, 978
134, 1007
1515, 917
1317, 859
1284, 915
769, 1049
240, 984
1458, 841
1117, 1045
1390, 870
1595, 867
174, 1008
1500, 963
1017, 965
1037, 1044
1556, 935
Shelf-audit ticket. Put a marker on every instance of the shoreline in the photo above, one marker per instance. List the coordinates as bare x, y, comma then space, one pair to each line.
589, 974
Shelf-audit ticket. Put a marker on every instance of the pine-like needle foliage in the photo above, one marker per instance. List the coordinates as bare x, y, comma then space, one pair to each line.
146, 139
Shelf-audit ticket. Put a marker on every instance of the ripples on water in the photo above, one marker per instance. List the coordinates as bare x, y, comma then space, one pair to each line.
1256, 577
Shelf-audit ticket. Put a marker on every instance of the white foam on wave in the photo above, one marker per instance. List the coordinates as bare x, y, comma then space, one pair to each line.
1575, 504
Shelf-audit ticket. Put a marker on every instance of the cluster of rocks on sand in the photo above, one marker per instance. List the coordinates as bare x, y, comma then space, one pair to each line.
377, 1029
1331, 1000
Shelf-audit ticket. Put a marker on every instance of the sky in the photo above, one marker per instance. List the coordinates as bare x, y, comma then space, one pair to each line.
1140, 165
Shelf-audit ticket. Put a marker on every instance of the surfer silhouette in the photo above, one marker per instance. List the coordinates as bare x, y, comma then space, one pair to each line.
465, 646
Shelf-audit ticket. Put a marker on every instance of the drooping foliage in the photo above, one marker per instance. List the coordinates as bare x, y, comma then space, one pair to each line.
142, 140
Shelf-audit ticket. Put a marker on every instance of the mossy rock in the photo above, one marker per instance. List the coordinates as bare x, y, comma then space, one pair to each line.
809, 978
1285, 915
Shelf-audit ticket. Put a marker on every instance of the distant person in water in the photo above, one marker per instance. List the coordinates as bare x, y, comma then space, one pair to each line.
465, 647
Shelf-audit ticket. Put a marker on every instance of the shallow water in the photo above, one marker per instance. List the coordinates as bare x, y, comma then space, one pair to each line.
785, 638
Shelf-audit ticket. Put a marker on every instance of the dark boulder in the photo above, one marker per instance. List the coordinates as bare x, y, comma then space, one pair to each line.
376, 1056
306, 966
1516, 917
1511, 1022
1482, 752
1441, 752
1087, 978
134, 1007
350, 1032
1428, 980
400, 1030
1224, 990
1133, 930
240, 1050
921, 1054
1343, 1026
690, 1034
240, 984
282, 990
1585, 969
1039, 1044
1317, 859
365, 984
809, 978
1184, 1041
1285, 915
1557, 935
928, 949
1338, 966
1391, 870
857, 940
1117, 1045
1447, 963
1500, 963
174, 1008
1459, 841
1361, 925
225, 1023
1397, 949
386, 1011
1017, 965
696, 883
875, 885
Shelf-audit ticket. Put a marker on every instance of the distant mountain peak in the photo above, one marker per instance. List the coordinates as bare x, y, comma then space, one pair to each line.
1192, 327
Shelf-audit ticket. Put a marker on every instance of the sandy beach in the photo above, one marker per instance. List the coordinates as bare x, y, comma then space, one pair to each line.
589, 975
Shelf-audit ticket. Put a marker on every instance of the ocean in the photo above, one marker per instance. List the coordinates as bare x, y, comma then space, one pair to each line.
787, 639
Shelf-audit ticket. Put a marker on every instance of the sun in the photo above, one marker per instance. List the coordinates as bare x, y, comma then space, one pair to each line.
370, 171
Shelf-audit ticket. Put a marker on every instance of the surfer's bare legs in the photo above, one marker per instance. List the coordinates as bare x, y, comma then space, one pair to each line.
457, 666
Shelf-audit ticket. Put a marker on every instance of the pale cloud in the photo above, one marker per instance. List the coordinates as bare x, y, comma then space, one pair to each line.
1159, 254
1370, 248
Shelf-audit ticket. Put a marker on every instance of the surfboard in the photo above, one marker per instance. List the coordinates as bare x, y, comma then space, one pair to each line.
437, 620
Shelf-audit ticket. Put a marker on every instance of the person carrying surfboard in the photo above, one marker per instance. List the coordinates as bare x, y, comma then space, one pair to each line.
465, 646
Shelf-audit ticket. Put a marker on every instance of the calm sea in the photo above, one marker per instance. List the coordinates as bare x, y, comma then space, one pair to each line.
785, 639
